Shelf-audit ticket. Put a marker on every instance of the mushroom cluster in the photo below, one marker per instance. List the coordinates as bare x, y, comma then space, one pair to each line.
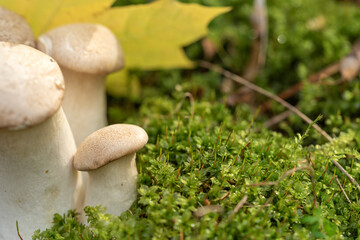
39, 159
36, 143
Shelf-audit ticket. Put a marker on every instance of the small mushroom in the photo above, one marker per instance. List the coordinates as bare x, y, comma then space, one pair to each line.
37, 178
86, 53
109, 157
349, 67
14, 28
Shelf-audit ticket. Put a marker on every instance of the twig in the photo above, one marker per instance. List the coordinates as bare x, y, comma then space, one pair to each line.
342, 189
324, 73
286, 174
259, 45
346, 173
262, 184
202, 211
262, 91
181, 234
238, 207
255, 206
313, 185
81, 236
334, 162
278, 118
223, 197
191, 99
256, 88
343, 66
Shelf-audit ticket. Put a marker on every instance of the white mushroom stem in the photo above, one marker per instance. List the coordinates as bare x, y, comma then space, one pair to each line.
36, 144
86, 53
113, 185
36, 176
84, 102
108, 155
85, 106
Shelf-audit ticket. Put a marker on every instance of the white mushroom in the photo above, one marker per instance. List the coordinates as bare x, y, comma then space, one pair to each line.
14, 28
349, 67
86, 53
37, 178
109, 157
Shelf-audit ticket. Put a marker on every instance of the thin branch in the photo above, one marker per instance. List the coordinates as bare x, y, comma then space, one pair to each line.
256, 206
277, 119
324, 73
264, 92
342, 189
191, 99
223, 197
238, 207
259, 23
262, 184
313, 185
202, 211
346, 173
285, 175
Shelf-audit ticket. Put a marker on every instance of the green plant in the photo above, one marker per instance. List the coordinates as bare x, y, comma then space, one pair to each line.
201, 154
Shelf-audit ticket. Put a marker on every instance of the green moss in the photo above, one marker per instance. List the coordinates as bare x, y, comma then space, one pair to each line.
213, 156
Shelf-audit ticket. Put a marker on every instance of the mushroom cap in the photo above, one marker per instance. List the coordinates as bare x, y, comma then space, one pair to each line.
83, 47
349, 67
109, 144
31, 86
14, 28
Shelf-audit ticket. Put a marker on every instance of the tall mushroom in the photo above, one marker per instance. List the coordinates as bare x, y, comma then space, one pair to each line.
86, 53
37, 178
14, 28
109, 157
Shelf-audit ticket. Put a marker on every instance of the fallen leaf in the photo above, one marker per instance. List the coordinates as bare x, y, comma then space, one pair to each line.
152, 35
43, 15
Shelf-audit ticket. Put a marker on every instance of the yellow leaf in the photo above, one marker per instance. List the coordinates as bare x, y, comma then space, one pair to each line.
43, 15
122, 84
152, 35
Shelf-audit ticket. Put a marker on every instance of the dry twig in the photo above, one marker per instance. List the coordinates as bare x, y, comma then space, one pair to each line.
346, 173
342, 189
262, 91
285, 175
259, 45
348, 66
223, 197
238, 207
277, 119
324, 73
191, 99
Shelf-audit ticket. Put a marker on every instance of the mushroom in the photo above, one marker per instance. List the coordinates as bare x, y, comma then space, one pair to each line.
37, 178
349, 67
109, 157
14, 28
86, 53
